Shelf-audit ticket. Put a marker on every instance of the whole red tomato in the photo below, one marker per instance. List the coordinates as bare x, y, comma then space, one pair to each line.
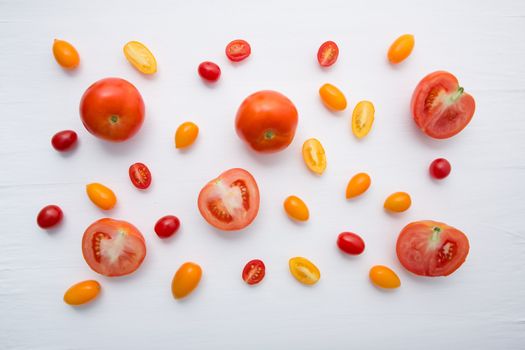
112, 109
266, 121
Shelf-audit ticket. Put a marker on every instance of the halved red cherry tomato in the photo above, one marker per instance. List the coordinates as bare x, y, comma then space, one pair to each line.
64, 140
113, 247
140, 175
231, 201
253, 272
350, 243
238, 50
440, 168
327, 54
49, 216
209, 71
166, 226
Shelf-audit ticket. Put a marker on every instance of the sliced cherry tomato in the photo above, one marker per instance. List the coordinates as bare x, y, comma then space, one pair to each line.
358, 184
440, 107
362, 118
327, 54
113, 247
314, 156
350, 243
431, 248
209, 71
64, 140
296, 208
304, 270
439, 168
65, 54
82, 292
401, 48
398, 202
166, 226
140, 57
49, 216
231, 201
253, 272
140, 175
186, 134
332, 97
102, 196
238, 50
384, 277
186, 279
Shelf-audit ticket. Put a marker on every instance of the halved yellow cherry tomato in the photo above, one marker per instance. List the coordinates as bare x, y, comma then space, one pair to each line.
102, 196
186, 279
186, 134
140, 57
384, 277
304, 270
314, 156
82, 292
362, 118
357, 185
401, 48
332, 97
398, 202
296, 208
65, 54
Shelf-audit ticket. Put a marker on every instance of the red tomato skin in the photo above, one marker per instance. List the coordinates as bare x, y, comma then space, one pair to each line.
112, 109
350, 243
439, 168
140, 176
64, 140
254, 272
49, 216
167, 226
209, 71
327, 48
238, 50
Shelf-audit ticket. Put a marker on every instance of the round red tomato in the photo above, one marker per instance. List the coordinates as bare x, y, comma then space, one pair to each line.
49, 216
231, 201
112, 109
440, 107
253, 272
350, 243
140, 176
439, 168
327, 54
209, 71
430, 248
238, 50
64, 140
166, 226
266, 121
113, 247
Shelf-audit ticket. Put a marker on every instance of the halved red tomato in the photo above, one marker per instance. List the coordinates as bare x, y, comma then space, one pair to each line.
430, 248
140, 175
238, 50
231, 201
440, 107
253, 272
327, 54
113, 247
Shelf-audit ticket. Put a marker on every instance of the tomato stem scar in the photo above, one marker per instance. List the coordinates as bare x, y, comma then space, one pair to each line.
457, 94
269, 135
113, 118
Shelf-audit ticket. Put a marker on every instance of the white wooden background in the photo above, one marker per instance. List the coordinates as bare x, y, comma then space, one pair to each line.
482, 306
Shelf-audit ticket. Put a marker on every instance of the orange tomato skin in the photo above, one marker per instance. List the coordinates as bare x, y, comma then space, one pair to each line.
384, 277
314, 156
186, 134
102, 196
65, 54
398, 202
332, 97
401, 48
296, 208
186, 279
358, 185
82, 292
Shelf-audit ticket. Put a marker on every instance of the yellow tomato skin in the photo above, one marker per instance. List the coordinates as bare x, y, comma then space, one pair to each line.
362, 118
186, 279
102, 196
140, 57
384, 277
296, 208
304, 270
186, 134
358, 185
401, 48
332, 97
65, 54
82, 292
398, 202
314, 156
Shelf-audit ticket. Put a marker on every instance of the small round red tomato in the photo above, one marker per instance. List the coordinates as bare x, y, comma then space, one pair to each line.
209, 71
440, 107
440, 168
238, 50
64, 140
49, 216
140, 175
350, 243
327, 54
230, 201
166, 226
253, 272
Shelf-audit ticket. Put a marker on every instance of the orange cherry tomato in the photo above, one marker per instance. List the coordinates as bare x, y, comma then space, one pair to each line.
314, 156
65, 54
357, 185
296, 208
332, 97
398, 202
102, 196
384, 277
362, 118
186, 279
304, 270
82, 292
401, 48
186, 134
140, 57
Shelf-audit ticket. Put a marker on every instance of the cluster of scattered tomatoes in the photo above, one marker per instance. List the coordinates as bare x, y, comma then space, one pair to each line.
113, 110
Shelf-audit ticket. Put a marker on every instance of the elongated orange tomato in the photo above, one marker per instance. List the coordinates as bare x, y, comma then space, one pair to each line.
102, 196
332, 97
65, 54
362, 118
401, 48
357, 185
304, 270
140, 57
314, 156
82, 292
398, 202
384, 277
296, 208
186, 279
186, 134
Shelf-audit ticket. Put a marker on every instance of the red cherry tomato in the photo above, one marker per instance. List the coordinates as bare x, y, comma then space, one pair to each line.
166, 226
49, 216
440, 168
140, 175
350, 243
209, 71
253, 272
238, 50
327, 54
64, 140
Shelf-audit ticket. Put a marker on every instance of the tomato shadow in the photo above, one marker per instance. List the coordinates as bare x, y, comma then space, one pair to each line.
70, 152
88, 306
125, 148
268, 159
429, 142
212, 85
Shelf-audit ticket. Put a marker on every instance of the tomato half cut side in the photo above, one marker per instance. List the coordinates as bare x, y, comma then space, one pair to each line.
140, 176
253, 272
238, 50
327, 54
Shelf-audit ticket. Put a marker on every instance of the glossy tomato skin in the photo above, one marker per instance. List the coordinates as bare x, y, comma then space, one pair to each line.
401, 48
266, 121
186, 134
358, 184
327, 54
65, 54
64, 140
112, 109
167, 226
398, 202
254, 272
140, 176
209, 71
384, 277
49, 216
102, 196
431, 248
439, 168
332, 97
238, 50
186, 279
296, 208
82, 293
350, 243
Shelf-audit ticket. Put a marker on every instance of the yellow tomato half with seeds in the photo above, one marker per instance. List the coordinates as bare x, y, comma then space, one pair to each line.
140, 57
304, 270
102, 196
362, 118
82, 292
314, 156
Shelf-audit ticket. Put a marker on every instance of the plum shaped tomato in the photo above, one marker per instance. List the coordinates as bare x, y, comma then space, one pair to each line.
238, 50
82, 292
102, 196
296, 208
314, 156
266, 121
65, 54
112, 109
440, 107
140, 175
140, 57
430, 248
350, 243
398, 202
439, 168
230, 201
113, 247
186, 134
167, 226
384, 277
209, 71
327, 54
64, 140
401, 48
304, 270
49, 216
332, 97
254, 271
186, 279
358, 184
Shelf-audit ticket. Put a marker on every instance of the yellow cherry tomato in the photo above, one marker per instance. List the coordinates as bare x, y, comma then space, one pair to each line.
401, 48
102, 196
82, 292
362, 118
398, 202
186, 279
332, 97
314, 156
296, 208
384, 277
357, 185
186, 134
304, 270
65, 54
140, 57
